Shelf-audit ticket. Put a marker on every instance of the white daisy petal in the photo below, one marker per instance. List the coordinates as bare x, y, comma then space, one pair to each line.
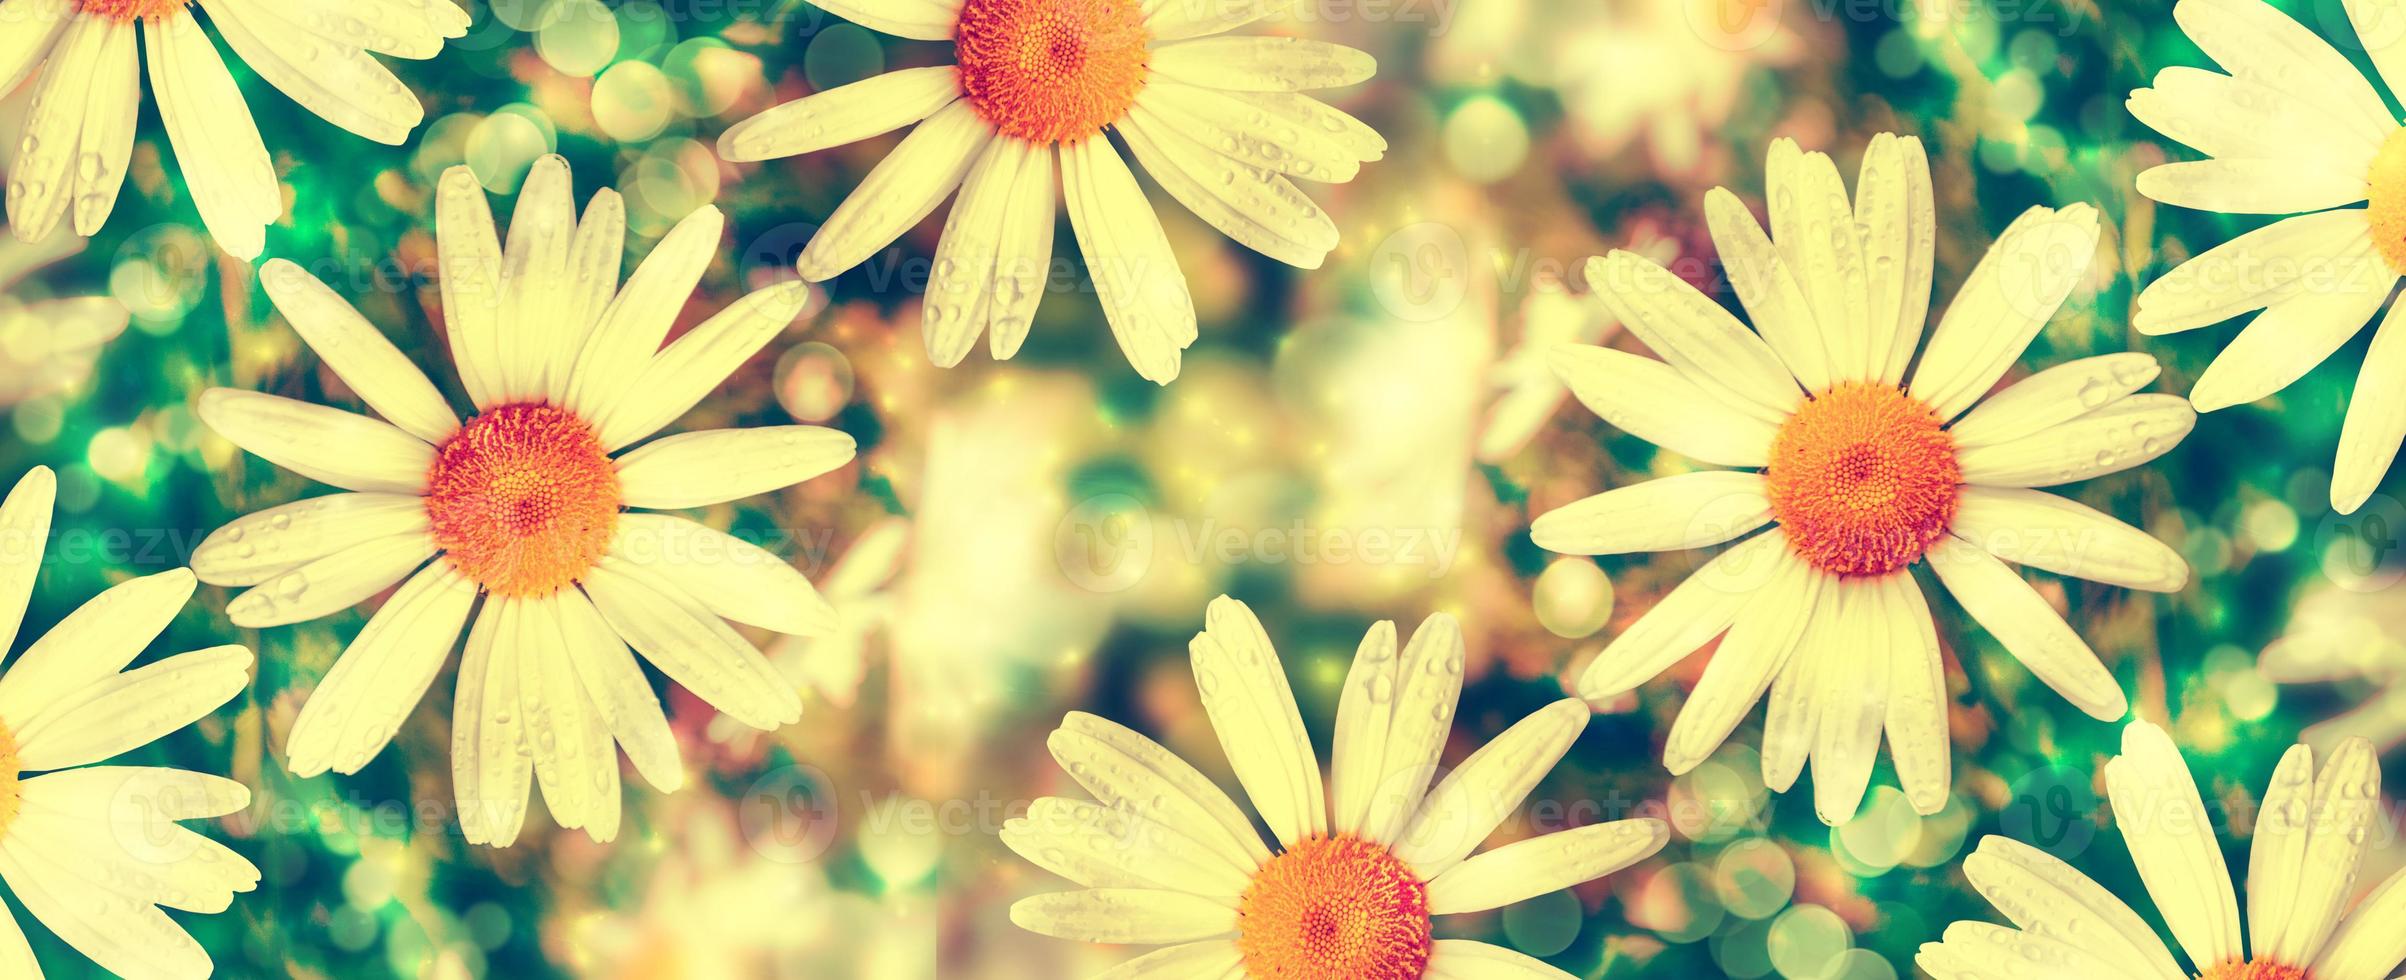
1102, 847
341, 84
2122, 435
36, 26
1128, 771
2242, 117
2381, 28
2268, 265
333, 583
1682, 622
1792, 708
41, 183
1662, 405
2042, 894
1262, 64
491, 770
2042, 530
1210, 960
2276, 860
469, 253
1173, 20
1919, 741
1135, 273
16, 957
1124, 916
595, 257
24, 535
620, 693
2029, 628
126, 711
2344, 809
2249, 186
1894, 204
121, 935
1255, 128
693, 469
575, 763
1533, 867
1674, 513
698, 362
261, 545
2010, 295
1256, 208
1391, 726
381, 676
1470, 802
216, 143
1252, 709
115, 96
2171, 838
844, 114
2372, 942
1758, 645
382, 376
2376, 417
1854, 703
692, 645
1987, 951
1694, 334
2294, 335
95, 641
961, 285
534, 280
2255, 39
2052, 397
1464, 959
922, 20
735, 578
638, 318
1023, 266
903, 188
328, 445
1767, 288
1817, 237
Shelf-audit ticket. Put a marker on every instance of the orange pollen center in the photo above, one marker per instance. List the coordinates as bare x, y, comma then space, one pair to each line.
2385, 201
2259, 970
524, 500
1334, 908
1052, 71
130, 9
1863, 479
10, 795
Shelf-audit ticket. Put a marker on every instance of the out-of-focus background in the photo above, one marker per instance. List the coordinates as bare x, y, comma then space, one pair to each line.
1368, 441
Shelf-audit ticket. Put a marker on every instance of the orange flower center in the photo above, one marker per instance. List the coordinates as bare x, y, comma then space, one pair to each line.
1334, 908
11, 796
2259, 970
523, 499
130, 9
1863, 479
1052, 71
2385, 201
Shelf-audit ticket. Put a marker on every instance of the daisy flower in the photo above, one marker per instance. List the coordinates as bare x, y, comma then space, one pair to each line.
95, 852
1218, 121
80, 133
2293, 129
524, 505
49, 345
1358, 872
1854, 475
2311, 838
